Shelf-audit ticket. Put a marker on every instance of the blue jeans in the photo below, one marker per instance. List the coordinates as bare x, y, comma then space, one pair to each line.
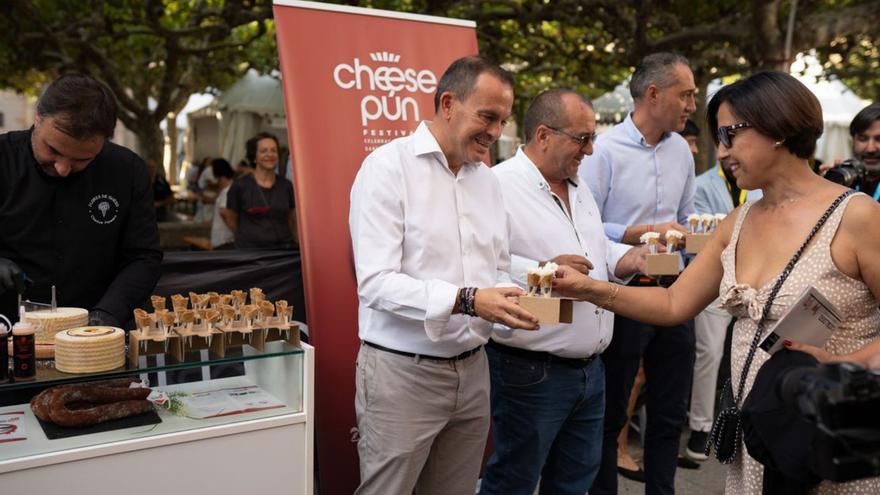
546, 423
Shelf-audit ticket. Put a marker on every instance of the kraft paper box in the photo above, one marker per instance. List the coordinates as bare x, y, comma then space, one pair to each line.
694, 243
548, 310
662, 264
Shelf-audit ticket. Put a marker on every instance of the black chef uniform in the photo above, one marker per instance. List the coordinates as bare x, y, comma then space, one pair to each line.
92, 234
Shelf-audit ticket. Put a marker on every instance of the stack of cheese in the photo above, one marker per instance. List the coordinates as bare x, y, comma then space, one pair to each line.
89, 349
48, 323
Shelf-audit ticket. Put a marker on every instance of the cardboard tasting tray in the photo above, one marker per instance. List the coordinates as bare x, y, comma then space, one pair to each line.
662, 264
694, 243
548, 310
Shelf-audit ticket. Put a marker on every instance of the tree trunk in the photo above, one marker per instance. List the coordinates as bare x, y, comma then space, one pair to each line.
769, 46
171, 130
150, 141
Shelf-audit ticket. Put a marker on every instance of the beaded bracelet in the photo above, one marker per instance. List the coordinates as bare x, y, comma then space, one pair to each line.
467, 299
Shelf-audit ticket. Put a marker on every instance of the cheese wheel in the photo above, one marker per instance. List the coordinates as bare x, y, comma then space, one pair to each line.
48, 322
89, 349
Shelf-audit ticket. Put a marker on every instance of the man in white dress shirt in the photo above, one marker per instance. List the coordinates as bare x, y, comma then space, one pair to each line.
428, 227
548, 388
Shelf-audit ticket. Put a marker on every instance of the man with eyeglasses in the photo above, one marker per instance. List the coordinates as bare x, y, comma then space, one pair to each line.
548, 387
76, 210
642, 177
430, 240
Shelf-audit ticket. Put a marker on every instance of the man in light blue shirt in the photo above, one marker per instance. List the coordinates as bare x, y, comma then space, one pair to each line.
642, 177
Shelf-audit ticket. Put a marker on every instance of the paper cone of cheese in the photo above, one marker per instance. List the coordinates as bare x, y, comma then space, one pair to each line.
674, 240
158, 302
49, 322
188, 318
211, 315
257, 295
248, 311
168, 319
89, 349
213, 298
693, 222
707, 220
533, 281
228, 313
142, 320
179, 303
194, 299
652, 239
281, 309
267, 309
546, 275
239, 297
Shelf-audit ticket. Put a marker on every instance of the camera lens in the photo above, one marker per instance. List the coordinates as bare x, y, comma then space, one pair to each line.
842, 175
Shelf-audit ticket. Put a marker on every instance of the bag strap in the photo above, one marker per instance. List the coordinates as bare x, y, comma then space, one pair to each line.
778, 285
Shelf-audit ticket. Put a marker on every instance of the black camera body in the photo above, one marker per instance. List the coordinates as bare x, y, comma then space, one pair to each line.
843, 402
851, 173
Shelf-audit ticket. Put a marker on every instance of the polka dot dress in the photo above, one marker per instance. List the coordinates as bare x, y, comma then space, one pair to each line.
861, 325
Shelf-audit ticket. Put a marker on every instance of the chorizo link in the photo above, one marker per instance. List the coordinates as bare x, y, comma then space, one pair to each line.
112, 403
40, 402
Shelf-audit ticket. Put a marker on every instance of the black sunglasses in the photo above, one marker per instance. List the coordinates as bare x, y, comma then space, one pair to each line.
724, 133
581, 140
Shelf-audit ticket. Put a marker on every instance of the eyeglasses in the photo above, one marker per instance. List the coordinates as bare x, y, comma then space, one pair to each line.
724, 133
580, 140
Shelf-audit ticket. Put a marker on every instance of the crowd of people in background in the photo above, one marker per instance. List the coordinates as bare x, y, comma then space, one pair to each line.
250, 206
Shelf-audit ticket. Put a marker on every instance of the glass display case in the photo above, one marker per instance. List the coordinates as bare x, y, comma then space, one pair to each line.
249, 411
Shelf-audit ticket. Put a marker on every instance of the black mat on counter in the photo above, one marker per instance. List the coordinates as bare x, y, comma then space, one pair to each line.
54, 431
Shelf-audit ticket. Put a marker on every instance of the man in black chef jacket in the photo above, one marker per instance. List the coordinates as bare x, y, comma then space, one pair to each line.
76, 211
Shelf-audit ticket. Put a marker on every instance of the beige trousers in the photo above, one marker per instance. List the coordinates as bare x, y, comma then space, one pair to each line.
423, 423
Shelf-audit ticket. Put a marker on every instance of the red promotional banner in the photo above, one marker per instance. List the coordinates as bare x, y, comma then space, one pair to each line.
353, 79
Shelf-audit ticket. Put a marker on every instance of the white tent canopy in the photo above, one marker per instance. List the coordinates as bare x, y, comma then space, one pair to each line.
220, 129
839, 106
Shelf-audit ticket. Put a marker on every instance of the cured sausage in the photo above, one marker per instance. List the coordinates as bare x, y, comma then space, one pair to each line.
90, 404
65, 416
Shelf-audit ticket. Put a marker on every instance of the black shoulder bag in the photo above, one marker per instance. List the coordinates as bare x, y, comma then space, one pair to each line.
726, 434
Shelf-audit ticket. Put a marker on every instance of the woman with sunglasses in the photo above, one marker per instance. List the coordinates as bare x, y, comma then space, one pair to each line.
766, 130
259, 206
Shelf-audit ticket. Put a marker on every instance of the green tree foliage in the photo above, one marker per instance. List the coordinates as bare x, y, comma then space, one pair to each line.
855, 60
153, 54
592, 45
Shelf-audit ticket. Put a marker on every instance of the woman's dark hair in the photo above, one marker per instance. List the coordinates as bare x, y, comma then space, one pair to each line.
690, 129
82, 106
864, 119
222, 168
775, 104
250, 147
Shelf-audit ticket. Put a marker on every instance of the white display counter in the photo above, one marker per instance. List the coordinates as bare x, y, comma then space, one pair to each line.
262, 452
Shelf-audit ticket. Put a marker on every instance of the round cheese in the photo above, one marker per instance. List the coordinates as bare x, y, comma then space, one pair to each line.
48, 322
89, 349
